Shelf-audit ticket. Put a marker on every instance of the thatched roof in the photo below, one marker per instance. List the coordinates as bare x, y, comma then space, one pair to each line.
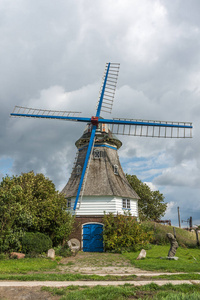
101, 179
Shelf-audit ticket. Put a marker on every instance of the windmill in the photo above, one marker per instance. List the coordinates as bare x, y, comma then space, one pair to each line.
99, 134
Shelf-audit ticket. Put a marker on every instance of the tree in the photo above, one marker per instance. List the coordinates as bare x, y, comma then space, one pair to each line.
151, 205
30, 203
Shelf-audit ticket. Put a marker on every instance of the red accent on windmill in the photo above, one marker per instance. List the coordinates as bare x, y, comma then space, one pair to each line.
95, 121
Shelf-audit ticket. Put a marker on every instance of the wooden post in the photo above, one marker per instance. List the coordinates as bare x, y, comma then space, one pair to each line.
179, 220
174, 232
190, 223
197, 236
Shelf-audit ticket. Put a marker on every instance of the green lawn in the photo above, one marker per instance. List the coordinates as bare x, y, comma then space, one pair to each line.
23, 266
189, 260
150, 291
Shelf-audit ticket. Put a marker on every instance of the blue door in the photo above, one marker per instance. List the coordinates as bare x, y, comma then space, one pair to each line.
93, 237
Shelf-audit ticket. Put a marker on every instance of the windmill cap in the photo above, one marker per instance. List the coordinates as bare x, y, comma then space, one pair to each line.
103, 136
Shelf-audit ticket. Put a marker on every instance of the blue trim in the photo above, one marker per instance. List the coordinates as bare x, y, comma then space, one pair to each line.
106, 121
85, 164
99, 146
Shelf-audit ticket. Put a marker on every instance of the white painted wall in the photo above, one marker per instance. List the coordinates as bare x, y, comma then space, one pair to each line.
97, 205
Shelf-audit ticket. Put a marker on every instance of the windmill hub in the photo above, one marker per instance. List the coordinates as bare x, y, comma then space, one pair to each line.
95, 121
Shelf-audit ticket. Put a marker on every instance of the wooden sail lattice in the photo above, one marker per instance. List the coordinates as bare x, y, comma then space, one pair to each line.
21, 111
110, 87
156, 129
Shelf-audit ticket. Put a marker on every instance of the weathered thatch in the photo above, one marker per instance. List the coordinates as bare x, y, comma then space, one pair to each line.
101, 178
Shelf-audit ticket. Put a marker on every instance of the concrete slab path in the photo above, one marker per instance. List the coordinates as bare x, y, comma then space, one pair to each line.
91, 283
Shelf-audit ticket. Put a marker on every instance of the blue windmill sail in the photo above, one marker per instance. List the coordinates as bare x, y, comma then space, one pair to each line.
110, 87
134, 127
149, 128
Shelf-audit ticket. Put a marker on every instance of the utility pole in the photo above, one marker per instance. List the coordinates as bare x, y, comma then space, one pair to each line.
179, 220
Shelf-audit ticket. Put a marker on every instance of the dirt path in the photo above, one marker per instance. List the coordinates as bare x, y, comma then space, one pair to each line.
99, 264
25, 293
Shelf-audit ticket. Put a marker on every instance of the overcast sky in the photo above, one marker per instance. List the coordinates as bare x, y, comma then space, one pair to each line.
52, 56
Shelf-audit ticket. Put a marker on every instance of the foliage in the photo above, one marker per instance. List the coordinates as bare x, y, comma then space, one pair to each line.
30, 203
123, 233
151, 204
63, 250
185, 238
35, 242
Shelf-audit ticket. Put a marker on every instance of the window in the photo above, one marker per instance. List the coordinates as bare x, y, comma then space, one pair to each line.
126, 204
78, 170
69, 203
116, 170
97, 154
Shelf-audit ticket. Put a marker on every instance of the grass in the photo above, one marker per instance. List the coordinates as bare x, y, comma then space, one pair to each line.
23, 266
185, 238
63, 277
150, 291
83, 277
189, 260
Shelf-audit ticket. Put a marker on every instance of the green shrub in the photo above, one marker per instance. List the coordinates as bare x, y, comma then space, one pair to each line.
124, 233
35, 242
63, 250
11, 241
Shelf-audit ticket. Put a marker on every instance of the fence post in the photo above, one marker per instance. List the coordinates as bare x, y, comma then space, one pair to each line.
197, 236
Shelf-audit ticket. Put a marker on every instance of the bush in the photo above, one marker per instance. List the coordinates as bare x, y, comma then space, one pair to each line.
11, 241
124, 233
35, 242
63, 250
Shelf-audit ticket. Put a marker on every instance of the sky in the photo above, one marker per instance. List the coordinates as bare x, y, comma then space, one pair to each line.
52, 56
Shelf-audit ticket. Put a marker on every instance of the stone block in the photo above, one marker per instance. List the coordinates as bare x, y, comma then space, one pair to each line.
142, 254
51, 253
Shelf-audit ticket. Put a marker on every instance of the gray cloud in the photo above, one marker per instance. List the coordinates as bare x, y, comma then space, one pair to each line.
52, 56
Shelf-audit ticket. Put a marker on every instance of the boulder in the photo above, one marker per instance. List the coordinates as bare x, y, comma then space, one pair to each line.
17, 255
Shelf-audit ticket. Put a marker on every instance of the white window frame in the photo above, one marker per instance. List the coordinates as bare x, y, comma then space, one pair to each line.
116, 169
126, 204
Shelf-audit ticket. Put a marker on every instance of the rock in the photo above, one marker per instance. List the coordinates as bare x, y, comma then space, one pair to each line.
74, 245
142, 254
51, 253
17, 255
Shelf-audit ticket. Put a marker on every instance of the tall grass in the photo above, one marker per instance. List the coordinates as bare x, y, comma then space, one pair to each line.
185, 238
